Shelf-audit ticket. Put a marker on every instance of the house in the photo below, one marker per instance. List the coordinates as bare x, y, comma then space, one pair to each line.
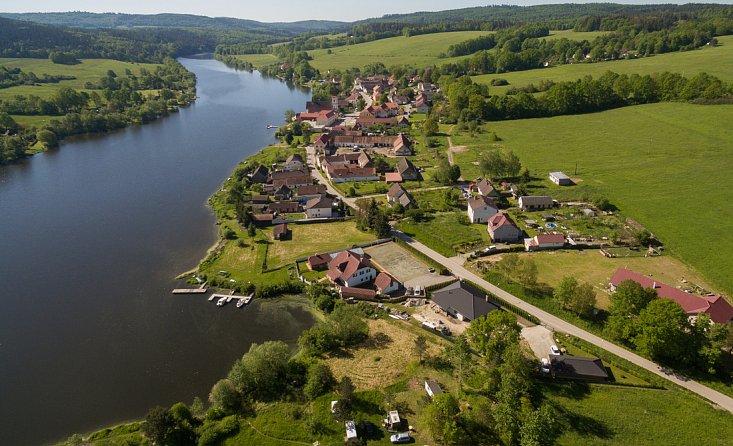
260, 199
324, 141
485, 188
421, 104
284, 207
353, 140
407, 170
480, 209
320, 207
535, 203
393, 177
343, 174
385, 283
363, 122
544, 241
560, 179
280, 232
283, 174
305, 193
360, 159
318, 262
576, 367
294, 162
346, 292
292, 182
259, 175
261, 220
401, 146
463, 301
432, 388
283, 193
319, 106
322, 118
717, 307
502, 228
351, 269
402, 121
398, 194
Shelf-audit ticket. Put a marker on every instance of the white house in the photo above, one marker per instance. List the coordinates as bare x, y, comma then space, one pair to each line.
480, 209
351, 269
294, 162
319, 207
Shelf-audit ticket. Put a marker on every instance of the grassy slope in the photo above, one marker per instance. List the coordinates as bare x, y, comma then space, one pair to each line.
89, 70
419, 50
662, 164
257, 60
717, 61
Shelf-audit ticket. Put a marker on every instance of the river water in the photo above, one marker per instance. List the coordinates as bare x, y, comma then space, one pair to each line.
91, 236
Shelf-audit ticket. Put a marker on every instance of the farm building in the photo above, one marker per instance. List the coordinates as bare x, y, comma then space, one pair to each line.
318, 262
560, 179
535, 203
544, 241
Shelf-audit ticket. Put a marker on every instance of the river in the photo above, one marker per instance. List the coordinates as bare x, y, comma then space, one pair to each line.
91, 237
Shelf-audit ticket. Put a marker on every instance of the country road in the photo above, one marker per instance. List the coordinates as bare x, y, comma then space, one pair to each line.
545, 318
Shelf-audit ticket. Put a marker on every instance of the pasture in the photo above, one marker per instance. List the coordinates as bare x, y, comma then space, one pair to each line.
665, 165
717, 61
258, 60
418, 51
89, 70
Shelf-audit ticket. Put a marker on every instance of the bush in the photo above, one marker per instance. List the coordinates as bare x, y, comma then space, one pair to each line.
498, 82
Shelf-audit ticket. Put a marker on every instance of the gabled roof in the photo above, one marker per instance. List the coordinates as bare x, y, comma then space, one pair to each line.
485, 188
319, 203
477, 202
396, 191
345, 264
541, 239
403, 165
311, 189
283, 174
383, 281
464, 299
294, 157
576, 367
717, 307
393, 177
535, 200
280, 230
500, 219
319, 259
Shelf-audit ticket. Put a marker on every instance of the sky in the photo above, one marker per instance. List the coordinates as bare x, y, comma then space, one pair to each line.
274, 10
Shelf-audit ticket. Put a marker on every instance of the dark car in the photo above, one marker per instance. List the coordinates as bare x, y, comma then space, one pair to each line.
369, 428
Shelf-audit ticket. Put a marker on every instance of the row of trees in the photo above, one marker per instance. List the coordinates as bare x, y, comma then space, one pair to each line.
11, 77
373, 218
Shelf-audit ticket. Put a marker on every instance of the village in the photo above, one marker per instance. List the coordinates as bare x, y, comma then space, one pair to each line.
375, 146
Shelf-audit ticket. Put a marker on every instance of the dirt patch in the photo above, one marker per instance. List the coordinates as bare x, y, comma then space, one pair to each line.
381, 360
397, 261
458, 149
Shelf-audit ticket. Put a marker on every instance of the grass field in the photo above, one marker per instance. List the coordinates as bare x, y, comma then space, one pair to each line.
418, 51
661, 164
590, 266
258, 60
443, 233
717, 61
89, 70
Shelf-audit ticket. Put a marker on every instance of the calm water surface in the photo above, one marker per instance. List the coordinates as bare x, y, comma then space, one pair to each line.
91, 237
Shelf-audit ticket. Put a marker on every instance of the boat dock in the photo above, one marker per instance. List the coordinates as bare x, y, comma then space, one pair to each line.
226, 298
190, 291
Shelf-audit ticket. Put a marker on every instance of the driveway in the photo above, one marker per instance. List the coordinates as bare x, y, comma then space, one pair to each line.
539, 339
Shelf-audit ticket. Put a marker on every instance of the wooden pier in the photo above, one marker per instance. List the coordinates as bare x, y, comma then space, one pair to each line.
190, 291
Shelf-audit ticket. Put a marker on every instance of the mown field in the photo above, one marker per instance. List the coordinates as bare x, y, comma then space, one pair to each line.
258, 60
717, 61
665, 165
418, 51
89, 70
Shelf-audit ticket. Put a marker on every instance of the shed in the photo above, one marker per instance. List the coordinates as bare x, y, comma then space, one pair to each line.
560, 179
280, 232
432, 387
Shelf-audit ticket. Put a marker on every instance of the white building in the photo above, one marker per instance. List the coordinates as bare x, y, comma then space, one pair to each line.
319, 207
480, 209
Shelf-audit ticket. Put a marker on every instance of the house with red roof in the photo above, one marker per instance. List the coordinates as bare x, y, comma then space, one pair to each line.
351, 269
502, 228
385, 283
544, 241
719, 309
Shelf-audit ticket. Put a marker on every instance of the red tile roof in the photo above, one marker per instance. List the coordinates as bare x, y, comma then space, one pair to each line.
500, 219
383, 281
345, 264
356, 292
317, 260
393, 177
717, 307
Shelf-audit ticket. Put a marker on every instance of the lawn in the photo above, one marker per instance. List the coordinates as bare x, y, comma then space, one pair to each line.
717, 61
443, 233
611, 415
313, 239
660, 164
590, 266
417, 51
89, 70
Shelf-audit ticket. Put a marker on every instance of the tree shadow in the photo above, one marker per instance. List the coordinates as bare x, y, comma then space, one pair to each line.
587, 426
340, 353
576, 390
377, 341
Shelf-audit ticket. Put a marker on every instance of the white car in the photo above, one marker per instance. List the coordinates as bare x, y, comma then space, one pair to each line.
545, 365
400, 438
555, 351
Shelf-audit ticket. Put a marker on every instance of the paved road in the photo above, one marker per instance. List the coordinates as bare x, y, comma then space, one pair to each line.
547, 319
560, 325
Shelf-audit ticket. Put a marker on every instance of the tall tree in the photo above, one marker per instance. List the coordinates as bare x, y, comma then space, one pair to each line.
662, 332
491, 335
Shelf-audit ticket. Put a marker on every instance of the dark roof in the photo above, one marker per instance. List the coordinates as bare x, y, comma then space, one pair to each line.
404, 165
280, 230
464, 299
575, 367
434, 386
319, 203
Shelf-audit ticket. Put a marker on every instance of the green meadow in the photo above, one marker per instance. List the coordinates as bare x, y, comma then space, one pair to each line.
258, 60
717, 61
666, 165
89, 70
418, 51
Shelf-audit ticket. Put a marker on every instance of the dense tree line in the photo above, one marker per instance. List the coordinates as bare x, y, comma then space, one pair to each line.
11, 77
116, 102
508, 38
465, 100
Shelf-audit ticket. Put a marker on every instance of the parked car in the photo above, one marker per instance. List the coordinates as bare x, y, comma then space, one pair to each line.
431, 270
369, 428
555, 351
545, 365
400, 438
